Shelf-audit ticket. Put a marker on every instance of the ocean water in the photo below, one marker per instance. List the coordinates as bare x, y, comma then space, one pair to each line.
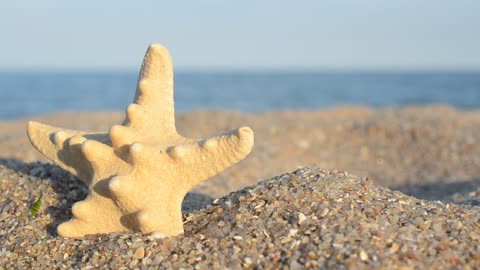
23, 94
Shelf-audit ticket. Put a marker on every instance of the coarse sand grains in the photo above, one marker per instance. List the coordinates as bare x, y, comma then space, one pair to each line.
310, 218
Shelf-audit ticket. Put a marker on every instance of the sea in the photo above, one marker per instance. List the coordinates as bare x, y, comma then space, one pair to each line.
23, 94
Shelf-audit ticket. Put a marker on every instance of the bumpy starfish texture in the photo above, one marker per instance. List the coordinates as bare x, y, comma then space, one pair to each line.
139, 172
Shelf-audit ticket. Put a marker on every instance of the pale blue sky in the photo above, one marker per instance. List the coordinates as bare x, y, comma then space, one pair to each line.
315, 34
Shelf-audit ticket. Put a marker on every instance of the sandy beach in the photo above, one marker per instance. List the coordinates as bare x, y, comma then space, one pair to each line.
344, 188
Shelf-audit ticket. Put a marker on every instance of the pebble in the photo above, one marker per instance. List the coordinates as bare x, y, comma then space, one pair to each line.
139, 253
301, 218
363, 255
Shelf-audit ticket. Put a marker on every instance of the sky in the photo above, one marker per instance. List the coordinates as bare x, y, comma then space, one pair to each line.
244, 35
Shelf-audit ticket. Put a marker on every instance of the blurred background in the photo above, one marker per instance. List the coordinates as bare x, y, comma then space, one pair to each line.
249, 56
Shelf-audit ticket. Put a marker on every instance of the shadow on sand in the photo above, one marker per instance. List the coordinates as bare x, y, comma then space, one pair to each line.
446, 191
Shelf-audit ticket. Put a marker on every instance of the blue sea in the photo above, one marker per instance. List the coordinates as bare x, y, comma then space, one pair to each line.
24, 94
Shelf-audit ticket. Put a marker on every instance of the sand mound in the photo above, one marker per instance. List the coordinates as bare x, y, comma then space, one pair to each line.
308, 218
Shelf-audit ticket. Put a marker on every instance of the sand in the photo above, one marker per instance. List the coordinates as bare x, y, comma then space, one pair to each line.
431, 153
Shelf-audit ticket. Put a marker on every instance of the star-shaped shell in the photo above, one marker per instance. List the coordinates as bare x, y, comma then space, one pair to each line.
139, 172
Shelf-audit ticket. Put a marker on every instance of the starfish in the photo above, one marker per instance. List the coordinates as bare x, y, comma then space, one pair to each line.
140, 170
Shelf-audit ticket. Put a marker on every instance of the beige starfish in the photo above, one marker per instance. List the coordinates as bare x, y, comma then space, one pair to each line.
139, 172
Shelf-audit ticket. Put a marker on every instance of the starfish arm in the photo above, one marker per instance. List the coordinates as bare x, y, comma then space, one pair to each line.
154, 94
62, 146
89, 218
204, 159
157, 64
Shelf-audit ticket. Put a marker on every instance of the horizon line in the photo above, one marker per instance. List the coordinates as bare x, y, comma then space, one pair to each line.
252, 70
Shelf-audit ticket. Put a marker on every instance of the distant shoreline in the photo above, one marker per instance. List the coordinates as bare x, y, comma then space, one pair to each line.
115, 113
30, 94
